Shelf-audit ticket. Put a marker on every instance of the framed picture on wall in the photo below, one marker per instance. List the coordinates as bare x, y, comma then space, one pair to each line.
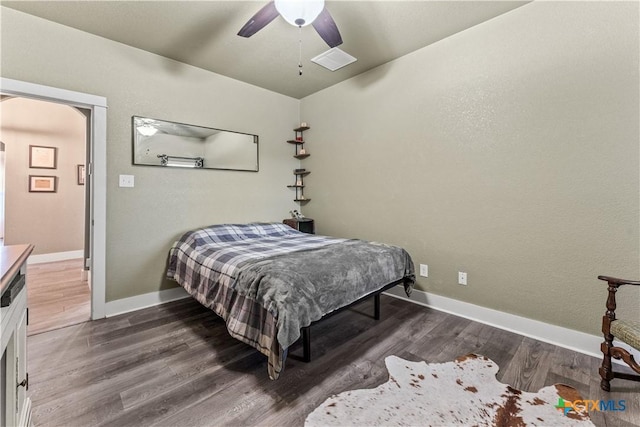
80, 173
42, 157
43, 184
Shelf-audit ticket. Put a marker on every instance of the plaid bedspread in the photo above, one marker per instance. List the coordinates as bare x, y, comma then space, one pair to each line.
207, 263
221, 248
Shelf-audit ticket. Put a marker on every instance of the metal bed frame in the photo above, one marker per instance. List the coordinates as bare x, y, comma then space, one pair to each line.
306, 331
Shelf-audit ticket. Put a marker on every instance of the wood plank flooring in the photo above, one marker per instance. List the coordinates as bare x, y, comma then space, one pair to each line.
57, 295
176, 365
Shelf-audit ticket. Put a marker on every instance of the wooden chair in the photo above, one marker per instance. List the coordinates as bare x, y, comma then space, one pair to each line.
627, 331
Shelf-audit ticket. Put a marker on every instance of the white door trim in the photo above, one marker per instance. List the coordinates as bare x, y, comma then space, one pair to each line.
98, 170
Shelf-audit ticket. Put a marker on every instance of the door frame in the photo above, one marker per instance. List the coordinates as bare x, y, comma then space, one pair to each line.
97, 169
2, 185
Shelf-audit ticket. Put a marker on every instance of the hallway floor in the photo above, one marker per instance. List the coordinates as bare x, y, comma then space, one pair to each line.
57, 296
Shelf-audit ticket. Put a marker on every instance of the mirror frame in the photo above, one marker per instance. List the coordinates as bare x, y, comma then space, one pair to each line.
197, 160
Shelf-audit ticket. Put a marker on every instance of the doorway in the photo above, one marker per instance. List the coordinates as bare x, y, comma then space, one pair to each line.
45, 155
95, 168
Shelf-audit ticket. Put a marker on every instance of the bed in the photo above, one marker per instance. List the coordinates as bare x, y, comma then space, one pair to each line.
269, 281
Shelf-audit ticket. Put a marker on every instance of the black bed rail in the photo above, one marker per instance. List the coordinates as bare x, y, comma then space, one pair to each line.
306, 331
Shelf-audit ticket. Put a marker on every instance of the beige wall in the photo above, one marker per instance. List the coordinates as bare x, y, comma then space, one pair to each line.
53, 222
509, 151
144, 221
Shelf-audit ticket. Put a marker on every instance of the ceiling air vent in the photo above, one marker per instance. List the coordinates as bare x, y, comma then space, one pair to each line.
334, 59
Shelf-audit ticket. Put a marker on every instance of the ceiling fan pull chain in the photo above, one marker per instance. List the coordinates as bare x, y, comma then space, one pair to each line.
300, 53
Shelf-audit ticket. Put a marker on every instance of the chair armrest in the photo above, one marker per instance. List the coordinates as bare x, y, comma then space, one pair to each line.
618, 282
610, 315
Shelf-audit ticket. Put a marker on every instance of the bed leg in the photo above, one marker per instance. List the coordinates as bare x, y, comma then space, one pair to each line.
376, 306
306, 342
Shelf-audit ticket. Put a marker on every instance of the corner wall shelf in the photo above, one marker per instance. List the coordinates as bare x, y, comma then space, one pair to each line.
299, 153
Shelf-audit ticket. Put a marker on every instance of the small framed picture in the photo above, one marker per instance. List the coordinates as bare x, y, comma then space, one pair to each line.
42, 157
42, 184
80, 173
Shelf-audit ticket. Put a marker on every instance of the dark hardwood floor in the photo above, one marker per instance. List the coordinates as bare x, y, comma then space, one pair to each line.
175, 365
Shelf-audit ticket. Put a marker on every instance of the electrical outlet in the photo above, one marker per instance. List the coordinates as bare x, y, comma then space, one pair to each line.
424, 270
462, 278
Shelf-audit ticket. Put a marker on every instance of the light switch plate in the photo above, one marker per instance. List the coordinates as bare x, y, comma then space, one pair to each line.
126, 181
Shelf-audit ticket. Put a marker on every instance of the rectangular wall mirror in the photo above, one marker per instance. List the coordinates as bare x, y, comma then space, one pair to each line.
169, 144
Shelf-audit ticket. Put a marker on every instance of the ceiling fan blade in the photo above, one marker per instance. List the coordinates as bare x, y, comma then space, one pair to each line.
327, 28
259, 20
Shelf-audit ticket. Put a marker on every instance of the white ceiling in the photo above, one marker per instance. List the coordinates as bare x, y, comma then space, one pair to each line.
203, 34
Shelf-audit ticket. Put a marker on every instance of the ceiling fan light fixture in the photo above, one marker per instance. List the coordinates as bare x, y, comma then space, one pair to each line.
299, 13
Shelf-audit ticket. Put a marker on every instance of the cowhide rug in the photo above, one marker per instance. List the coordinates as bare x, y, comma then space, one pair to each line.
462, 392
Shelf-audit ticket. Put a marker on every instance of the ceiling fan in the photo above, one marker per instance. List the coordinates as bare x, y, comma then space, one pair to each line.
299, 13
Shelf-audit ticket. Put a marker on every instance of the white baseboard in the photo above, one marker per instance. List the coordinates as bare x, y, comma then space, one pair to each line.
126, 305
56, 256
553, 334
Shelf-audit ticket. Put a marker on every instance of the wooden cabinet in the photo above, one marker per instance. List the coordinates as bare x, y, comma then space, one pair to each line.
299, 153
15, 405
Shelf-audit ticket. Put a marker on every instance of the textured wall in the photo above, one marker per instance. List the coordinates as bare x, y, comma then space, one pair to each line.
53, 222
509, 151
144, 221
